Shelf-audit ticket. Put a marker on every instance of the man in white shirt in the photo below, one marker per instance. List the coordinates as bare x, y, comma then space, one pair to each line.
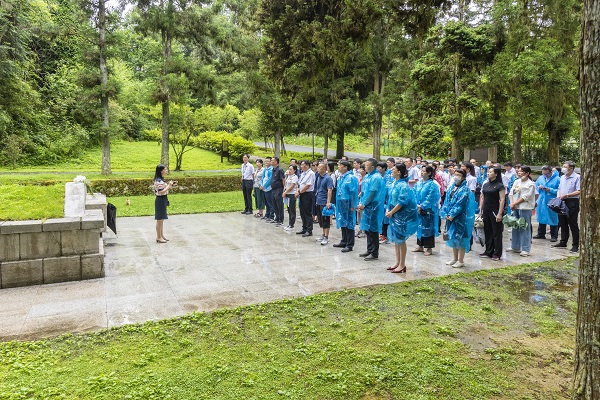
414, 172
247, 183
306, 186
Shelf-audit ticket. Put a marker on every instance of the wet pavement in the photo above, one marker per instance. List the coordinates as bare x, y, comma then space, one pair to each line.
214, 261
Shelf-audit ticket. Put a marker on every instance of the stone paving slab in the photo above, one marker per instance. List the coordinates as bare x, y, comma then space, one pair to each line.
214, 261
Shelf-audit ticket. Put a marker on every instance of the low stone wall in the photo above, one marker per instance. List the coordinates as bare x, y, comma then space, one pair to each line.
54, 250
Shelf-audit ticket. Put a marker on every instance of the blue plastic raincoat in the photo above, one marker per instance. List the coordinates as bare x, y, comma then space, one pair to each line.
389, 181
461, 206
404, 222
346, 199
372, 185
428, 197
544, 215
266, 182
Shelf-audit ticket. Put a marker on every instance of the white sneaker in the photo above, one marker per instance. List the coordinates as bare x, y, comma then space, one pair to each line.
524, 254
451, 262
458, 264
319, 238
324, 241
510, 249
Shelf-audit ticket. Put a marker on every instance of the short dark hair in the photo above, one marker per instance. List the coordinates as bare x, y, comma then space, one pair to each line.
246, 155
508, 164
358, 160
470, 166
382, 165
462, 172
372, 161
546, 168
345, 158
293, 159
392, 159
268, 157
571, 164
294, 167
429, 169
260, 160
276, 159
345, 163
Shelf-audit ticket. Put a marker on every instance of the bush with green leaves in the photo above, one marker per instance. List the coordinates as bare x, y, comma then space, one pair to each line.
213, 140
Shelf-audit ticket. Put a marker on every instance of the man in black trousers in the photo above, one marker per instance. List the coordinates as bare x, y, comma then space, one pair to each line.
247, 182
306, 185
277, 184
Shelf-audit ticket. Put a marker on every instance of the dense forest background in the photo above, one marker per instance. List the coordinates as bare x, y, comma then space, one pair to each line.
439, 75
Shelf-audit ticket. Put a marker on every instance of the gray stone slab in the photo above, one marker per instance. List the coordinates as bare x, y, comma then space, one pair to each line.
21, 273
92, 219
21, 227
61, 224
215, 261
92, 266
39, 245
80, 242
62, 269
9, 247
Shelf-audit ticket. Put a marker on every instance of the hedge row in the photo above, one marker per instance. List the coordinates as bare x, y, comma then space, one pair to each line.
238, 146
143, 187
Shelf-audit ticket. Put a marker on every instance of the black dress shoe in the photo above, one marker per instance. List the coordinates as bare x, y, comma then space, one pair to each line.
300, 232
346, 249
339, 245
371, 257
307, 234
364, 254
559, 244
553, 240
575, 250
539, 237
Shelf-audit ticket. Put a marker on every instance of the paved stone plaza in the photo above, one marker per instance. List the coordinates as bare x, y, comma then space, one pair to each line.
214, 261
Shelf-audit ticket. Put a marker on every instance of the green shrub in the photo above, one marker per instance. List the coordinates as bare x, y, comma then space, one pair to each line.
143, 187
212, 141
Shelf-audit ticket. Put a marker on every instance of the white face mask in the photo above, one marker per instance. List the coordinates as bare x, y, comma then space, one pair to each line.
524, 178
457, 179
564, 170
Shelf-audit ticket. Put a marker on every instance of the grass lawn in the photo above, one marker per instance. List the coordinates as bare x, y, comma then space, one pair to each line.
500, 334
24, 202
133, 157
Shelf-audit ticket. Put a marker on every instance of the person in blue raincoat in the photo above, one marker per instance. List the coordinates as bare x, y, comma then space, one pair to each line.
402, 214
389, 183
547, 185
346, 200
427, 192
370, 203
459, 210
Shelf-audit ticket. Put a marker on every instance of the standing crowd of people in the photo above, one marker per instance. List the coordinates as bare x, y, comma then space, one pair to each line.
389, 202
394, 200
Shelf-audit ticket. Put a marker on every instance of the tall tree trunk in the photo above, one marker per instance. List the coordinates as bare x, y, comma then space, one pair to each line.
553, 142
517, 155
458, 120
326, 145
167, 38
377, 115
106, 170
586, 380
339, 151
277, 150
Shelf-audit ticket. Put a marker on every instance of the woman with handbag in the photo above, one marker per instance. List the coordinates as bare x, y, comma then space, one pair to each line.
491, 208
459, 211
402, 214
428, 199
522, 203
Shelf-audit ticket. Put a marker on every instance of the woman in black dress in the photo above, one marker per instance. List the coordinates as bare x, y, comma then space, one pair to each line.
161, 190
